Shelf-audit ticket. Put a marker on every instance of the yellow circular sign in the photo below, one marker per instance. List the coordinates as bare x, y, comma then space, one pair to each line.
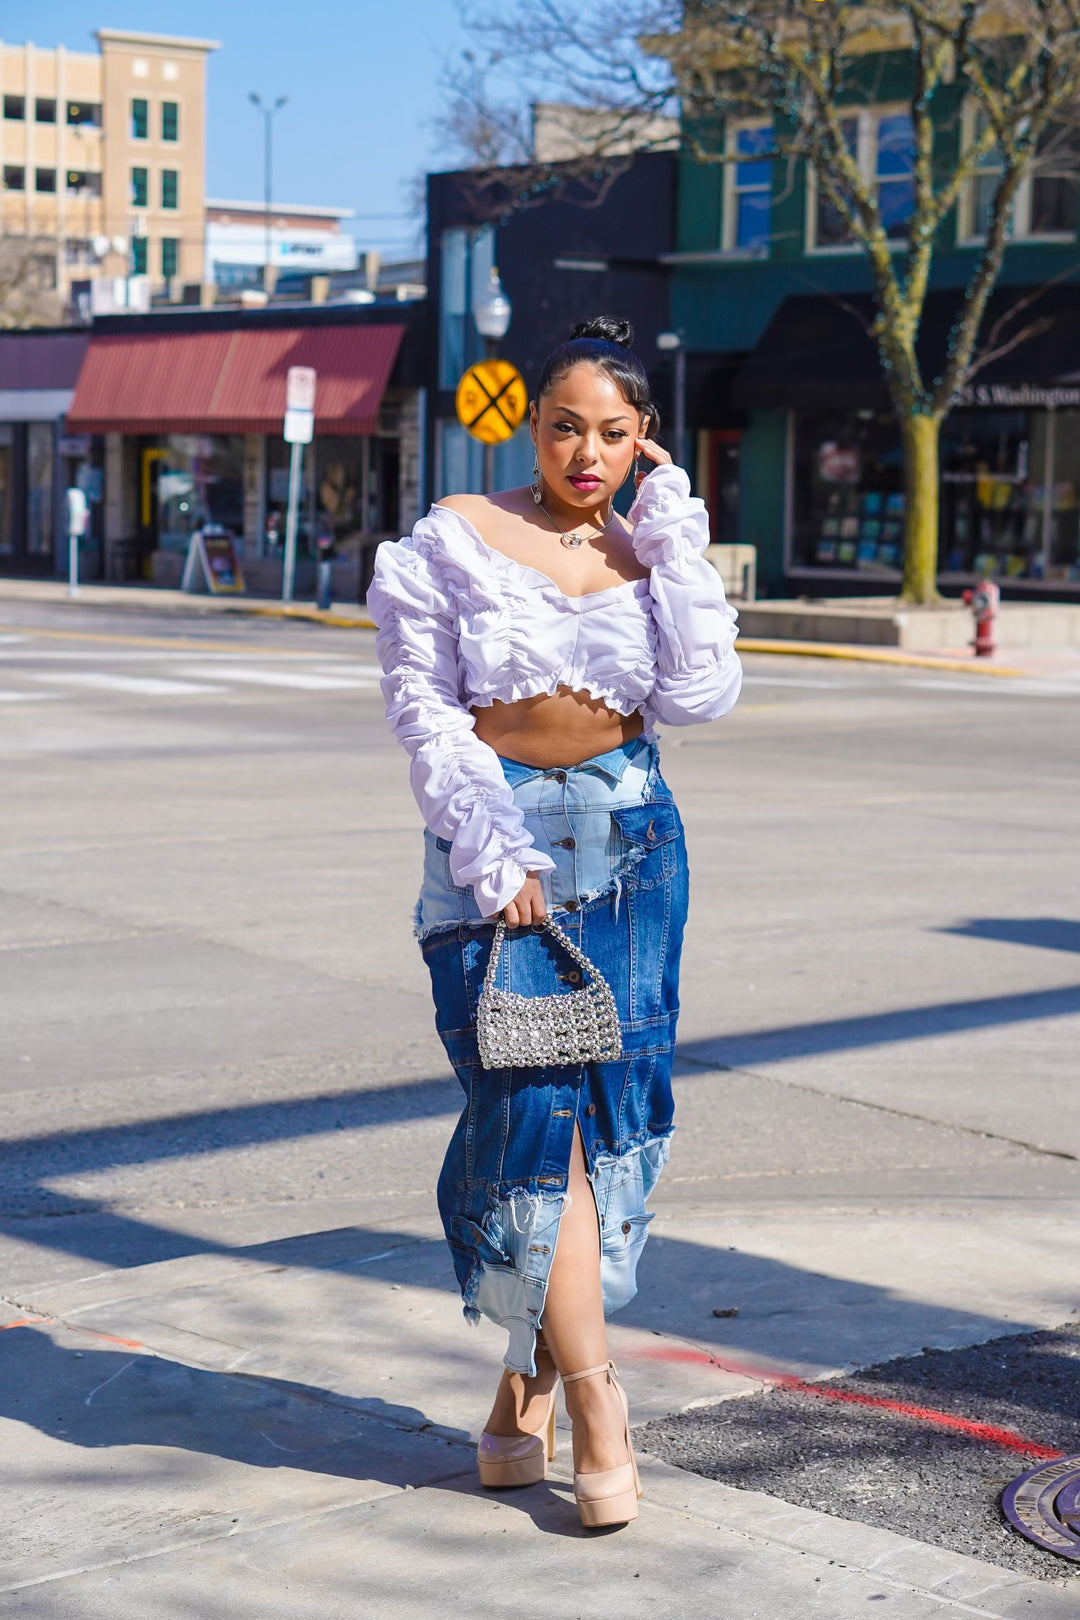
491, 400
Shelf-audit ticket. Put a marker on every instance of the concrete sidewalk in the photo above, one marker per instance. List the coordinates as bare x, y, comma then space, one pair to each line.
1052, 661
199, 1421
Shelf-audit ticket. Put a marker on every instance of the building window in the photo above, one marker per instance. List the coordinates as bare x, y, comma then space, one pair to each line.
15, 107
82, 113
170, 188
882, 142
894, 172
138, 256
14, 177
830, 226
45, 110
140, 118
849, 495
749, 186
83, 182
77, 250
44, 179
467, 259
170, 121
1052, 210
170, 256
1045, 204
140, 188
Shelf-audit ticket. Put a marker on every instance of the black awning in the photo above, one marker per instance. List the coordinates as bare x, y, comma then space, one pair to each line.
816, 352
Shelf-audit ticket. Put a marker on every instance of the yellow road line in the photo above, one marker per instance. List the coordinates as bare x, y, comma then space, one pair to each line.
876, 655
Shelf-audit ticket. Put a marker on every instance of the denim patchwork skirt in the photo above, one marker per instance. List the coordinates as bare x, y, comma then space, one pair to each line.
620, 890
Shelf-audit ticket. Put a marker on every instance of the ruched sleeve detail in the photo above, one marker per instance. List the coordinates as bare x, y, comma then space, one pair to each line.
457, 779
698, 673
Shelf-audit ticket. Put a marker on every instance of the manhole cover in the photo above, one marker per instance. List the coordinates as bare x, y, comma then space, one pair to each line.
1044, 1505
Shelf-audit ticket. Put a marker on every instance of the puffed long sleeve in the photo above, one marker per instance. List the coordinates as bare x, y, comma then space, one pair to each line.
698, 673
457, 779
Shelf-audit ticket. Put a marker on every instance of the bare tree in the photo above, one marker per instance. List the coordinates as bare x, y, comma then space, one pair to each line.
990, 88
28, 295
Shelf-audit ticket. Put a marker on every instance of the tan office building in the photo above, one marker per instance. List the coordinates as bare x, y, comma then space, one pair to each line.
103, 157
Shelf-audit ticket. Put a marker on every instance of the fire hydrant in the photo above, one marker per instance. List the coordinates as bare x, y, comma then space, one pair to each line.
983, 602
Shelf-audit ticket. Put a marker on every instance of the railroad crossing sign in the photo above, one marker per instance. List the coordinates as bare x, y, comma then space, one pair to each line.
491, 400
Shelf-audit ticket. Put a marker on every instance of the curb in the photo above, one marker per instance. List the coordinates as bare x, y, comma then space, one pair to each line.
876, 655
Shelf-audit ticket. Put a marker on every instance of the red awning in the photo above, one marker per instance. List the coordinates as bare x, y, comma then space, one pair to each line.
231, 382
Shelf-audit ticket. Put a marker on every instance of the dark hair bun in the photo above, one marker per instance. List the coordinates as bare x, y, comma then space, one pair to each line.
605, 329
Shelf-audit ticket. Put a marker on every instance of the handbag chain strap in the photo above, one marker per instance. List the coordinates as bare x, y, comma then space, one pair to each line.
553, 928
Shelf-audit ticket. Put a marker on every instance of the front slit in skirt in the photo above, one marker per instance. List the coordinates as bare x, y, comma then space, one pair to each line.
620, 890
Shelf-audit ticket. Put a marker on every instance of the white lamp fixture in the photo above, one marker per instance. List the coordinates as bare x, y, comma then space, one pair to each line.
492, 310
669, 340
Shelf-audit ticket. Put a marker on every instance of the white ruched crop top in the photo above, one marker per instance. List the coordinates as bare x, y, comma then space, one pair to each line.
461, 626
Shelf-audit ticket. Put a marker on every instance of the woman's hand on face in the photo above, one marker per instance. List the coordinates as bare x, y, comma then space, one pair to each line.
527, 906
655, 453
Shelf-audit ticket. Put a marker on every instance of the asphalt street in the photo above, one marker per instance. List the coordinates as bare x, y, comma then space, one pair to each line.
223, 1106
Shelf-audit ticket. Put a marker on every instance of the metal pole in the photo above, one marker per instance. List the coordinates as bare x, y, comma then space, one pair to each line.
489, 449
267, 187
73, 563
289, 570
680, 405
1048, 489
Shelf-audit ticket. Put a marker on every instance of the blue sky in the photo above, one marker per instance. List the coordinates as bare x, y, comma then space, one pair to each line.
361, 78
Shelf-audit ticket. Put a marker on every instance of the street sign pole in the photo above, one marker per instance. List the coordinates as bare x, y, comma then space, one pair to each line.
299, 430
289, 573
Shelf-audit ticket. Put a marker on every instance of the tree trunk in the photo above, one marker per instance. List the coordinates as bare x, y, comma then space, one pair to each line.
921, 435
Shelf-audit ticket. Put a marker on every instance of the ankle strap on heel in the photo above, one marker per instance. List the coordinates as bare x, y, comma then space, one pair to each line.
590, 1372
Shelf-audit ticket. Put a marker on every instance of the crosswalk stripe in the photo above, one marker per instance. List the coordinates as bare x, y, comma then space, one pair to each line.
27, 697
293, 679
141, 686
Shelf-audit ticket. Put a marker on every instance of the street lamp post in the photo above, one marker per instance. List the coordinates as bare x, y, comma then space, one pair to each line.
491, 312
268, 112
672, 343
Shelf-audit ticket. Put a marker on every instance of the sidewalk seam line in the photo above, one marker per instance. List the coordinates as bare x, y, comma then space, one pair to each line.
881, 1108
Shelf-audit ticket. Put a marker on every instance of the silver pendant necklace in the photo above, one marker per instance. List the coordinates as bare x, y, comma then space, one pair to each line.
570, 539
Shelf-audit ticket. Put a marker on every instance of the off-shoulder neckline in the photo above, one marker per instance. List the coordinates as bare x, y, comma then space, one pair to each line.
527, 568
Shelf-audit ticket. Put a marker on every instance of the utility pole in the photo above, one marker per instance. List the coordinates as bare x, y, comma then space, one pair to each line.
674, 343
268, 112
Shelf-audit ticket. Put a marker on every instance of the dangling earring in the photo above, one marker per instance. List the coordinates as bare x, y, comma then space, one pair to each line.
537, 492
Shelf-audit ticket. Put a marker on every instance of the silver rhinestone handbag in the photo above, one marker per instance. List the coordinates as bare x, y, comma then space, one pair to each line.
578, 1026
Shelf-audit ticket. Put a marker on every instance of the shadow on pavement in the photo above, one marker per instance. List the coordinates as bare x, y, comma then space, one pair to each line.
100, 1398
1048, 933
743, 1050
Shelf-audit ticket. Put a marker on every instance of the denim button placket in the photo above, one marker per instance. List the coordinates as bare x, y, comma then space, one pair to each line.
512, 1179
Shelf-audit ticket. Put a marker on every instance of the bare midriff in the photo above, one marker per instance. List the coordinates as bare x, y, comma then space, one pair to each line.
564, 728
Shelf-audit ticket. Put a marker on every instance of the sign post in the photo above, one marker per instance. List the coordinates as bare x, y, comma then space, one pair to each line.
299, 431
77, 518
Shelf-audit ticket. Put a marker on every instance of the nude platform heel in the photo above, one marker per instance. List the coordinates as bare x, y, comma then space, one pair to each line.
504, 1461
609, 1496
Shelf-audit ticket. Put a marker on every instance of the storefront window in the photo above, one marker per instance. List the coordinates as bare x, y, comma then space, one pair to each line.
849, 492
996, 470
1010, 494
200, 479
39, 489
332, 492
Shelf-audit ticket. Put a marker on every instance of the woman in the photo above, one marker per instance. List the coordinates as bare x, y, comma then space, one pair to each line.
530, 641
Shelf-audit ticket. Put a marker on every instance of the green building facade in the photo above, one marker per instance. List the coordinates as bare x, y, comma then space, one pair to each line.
790, 423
